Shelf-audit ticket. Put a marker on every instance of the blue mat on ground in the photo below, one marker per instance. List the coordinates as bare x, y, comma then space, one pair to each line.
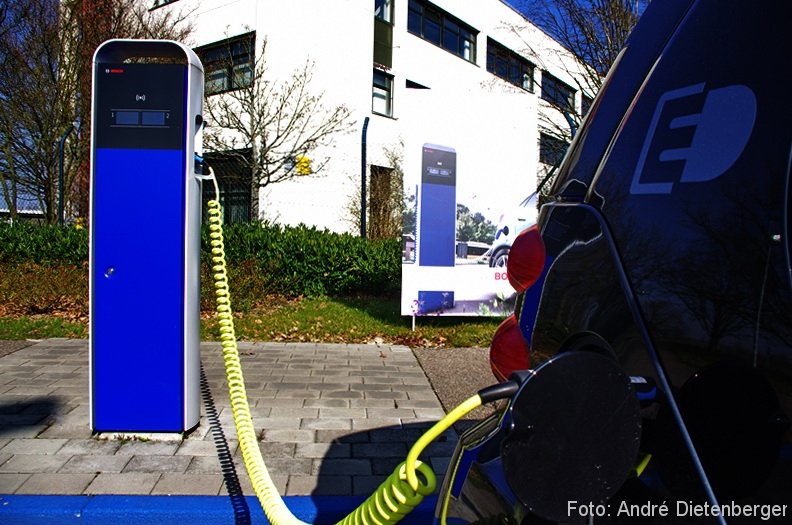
172, 510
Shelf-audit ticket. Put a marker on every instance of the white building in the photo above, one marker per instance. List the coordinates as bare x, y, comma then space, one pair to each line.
470, 75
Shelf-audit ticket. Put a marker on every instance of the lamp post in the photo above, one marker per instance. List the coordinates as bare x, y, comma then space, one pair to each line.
363, 179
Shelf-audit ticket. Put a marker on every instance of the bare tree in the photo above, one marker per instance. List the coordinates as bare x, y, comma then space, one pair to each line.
92, 22
46, 50
591, 33
271, 127
37, 91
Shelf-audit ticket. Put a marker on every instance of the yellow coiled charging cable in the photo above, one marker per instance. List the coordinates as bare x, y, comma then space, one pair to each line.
399, 494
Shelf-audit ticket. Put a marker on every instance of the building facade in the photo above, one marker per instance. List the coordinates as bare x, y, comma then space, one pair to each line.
471, 76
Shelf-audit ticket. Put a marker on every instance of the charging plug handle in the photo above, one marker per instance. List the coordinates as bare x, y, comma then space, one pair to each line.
499, 391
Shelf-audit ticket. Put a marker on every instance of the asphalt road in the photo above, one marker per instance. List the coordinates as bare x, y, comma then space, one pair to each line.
455, 375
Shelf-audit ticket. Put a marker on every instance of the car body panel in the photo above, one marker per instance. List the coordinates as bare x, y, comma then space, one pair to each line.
668, 249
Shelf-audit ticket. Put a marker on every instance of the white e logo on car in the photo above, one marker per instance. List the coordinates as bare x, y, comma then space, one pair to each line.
720, 134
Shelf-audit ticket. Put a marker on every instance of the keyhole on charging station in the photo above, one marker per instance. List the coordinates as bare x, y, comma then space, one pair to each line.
109, 272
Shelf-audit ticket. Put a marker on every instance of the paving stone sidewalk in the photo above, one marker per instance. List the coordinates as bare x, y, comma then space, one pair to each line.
333, 420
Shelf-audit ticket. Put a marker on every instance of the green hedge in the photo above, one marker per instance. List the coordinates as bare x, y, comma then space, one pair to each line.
27, 242
306, 261
262, 259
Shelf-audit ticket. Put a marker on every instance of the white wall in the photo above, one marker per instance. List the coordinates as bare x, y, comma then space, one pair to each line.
337, 38
215, 20
491, 123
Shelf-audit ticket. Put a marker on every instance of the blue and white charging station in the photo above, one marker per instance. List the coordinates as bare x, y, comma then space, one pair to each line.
437, 220
145, 237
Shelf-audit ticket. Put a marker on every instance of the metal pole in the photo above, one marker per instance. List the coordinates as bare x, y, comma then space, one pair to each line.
363, 180
61, 161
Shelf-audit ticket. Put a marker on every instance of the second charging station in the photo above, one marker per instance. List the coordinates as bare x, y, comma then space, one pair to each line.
437, 224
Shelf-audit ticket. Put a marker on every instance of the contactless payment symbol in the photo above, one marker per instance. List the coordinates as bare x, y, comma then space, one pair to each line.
719, 135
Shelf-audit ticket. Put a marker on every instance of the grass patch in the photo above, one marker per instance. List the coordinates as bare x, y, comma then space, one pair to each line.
352, 320
309, 319
16, 328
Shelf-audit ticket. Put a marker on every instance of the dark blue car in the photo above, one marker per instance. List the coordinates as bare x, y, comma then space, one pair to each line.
664, 297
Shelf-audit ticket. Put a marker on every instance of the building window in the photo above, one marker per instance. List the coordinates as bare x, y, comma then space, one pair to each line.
440, 28
551, 149
382, 94
557, 92
508, 65
236, 185
228, 65
383, 10
383, 33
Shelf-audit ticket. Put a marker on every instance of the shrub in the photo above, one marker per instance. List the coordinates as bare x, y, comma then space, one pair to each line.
43, 243
248, 285
306, 261
50, 289
333, 264
262, 260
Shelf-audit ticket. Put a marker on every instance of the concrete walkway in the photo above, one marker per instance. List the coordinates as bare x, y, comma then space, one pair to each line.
333, 420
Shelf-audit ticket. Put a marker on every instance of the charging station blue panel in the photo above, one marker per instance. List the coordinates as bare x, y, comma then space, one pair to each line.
437, 235
138, 290
437, 229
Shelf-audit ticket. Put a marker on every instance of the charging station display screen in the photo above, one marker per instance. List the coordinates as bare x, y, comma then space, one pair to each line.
439, 165
126, 118
140, 118
133, 111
